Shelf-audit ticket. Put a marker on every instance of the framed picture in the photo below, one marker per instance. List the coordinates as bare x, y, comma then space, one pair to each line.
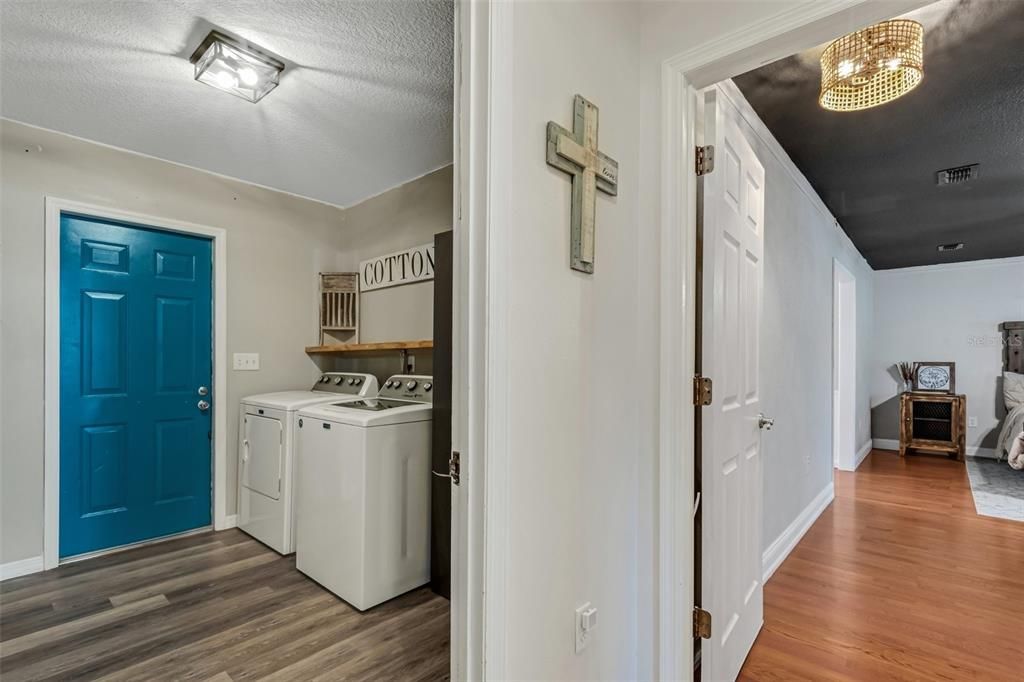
935, 377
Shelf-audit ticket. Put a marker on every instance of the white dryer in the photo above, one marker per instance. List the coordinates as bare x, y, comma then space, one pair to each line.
363, 493
266, 445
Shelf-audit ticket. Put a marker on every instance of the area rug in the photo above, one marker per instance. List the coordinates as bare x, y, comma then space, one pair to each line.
998, 490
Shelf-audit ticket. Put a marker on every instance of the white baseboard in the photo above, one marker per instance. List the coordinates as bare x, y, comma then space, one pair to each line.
864, 451
972, 450
784, 544
977, 451
230, 521
16, 569
885, 444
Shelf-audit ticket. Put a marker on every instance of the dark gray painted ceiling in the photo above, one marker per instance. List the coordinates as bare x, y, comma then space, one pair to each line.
875, 169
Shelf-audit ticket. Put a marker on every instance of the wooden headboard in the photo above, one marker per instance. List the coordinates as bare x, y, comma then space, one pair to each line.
1013, 346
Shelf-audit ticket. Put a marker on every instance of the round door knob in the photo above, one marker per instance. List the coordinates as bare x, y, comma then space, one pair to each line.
410, 384
203, 405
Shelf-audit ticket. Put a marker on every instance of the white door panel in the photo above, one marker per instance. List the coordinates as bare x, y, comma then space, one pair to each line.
731, 479
262, 454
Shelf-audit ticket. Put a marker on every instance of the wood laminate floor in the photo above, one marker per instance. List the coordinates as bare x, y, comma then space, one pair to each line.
211, 606
899, 579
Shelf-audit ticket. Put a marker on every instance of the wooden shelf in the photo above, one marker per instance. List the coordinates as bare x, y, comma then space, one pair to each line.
384, 346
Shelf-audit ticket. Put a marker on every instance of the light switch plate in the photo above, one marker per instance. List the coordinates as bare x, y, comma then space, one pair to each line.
972, 422
586, 621
246, 362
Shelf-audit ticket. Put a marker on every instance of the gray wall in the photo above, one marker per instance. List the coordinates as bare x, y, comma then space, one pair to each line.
406, 216
277, 243
801, 240
946, 313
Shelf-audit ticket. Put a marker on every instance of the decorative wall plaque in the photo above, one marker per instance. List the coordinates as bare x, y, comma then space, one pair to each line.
576, 153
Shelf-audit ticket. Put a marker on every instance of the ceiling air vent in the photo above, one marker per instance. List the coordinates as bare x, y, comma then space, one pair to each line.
955, 246
958, 175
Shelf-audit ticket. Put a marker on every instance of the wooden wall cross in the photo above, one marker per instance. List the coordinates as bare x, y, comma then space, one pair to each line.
576, 153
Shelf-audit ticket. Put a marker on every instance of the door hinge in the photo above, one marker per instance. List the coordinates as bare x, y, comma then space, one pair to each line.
701, 623
454, 467
705, 158
702, 390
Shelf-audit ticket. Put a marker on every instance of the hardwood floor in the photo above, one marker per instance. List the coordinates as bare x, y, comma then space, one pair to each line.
212, 606
899, 579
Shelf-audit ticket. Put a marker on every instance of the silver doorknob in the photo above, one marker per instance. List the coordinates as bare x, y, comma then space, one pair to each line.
764, 422
203, 405
202, 390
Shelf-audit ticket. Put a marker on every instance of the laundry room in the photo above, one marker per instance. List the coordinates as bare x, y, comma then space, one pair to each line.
226, 342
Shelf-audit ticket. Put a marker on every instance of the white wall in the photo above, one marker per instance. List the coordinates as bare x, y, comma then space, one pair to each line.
801, 240
946, 313
579, 351
277, 243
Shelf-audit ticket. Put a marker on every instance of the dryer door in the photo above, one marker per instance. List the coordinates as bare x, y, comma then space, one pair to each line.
262, 455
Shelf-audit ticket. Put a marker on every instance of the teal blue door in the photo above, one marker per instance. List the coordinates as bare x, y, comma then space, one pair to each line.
135, 350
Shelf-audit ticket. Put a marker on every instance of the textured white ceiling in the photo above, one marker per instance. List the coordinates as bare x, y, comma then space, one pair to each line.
365, 105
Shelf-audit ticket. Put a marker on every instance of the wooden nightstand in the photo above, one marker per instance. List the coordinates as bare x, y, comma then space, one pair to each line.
936, 422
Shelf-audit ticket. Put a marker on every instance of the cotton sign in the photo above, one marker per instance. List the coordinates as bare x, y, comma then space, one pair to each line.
402, 267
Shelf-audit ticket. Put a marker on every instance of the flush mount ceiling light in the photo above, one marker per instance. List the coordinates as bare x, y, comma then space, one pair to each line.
872, 66
233, 66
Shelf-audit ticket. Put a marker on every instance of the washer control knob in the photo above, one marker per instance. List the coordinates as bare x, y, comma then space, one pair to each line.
411, 384
351, 382
357, 381
324, 379
338, 380
427, 387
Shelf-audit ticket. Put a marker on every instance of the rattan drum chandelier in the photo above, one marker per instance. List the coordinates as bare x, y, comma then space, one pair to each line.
872, 66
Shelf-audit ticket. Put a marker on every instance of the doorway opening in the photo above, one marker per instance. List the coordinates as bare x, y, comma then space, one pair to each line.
793, 382
213, 469
844, 372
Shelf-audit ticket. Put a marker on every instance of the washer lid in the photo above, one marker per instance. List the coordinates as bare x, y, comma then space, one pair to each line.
293, 400
369, 412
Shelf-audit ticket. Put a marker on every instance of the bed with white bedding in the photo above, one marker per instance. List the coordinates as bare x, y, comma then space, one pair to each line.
1011, 437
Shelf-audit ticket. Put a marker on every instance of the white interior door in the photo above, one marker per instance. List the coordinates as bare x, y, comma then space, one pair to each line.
731, 582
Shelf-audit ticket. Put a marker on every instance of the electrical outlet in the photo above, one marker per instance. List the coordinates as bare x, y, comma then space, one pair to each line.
586, 621
972, 422
245, 362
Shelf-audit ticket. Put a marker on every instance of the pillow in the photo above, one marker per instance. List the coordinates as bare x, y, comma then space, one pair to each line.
1013, 390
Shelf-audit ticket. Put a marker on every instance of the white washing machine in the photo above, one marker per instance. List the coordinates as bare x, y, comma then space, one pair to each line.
363, 493
266, 445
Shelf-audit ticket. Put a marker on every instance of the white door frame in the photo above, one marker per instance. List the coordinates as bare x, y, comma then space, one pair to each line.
483, 43
844, 354
51, 362
801, 27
